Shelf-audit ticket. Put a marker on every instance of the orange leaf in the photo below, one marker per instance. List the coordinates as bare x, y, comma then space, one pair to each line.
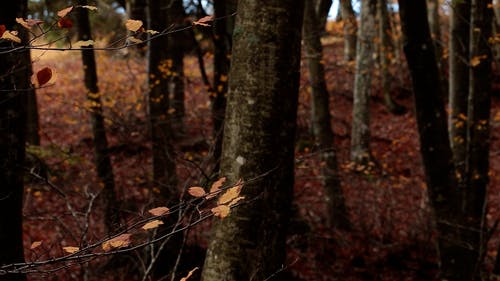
70, 249
236, 200
133, 25
62, 13
120, 241
231, 193
189, 274
221, 211
35, 245
215, 187
152, 224
65, 23
160, 211
43, 76
196, 191
203, 21
2, 29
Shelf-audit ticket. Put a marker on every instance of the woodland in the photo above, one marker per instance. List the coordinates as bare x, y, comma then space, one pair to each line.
234, 140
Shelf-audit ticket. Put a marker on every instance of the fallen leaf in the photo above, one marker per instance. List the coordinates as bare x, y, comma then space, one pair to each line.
203, 21
196, 191
221, 211
120, 241
70, 249
133, 25
152, 224
62, 13
35, 245
189, 274
159, 211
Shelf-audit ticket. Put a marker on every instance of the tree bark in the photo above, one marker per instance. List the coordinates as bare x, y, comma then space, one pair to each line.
350, 29
321, 119
322, 8
101, 156
360, 135
259, 135
223, 36
12, 142
435, 28
459, 84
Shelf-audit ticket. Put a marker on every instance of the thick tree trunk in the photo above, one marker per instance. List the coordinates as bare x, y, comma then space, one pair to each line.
101, 155
12, 138
322, 8
350, 29
321, 119
259, 135
164, 175
360, 135
459, 84
435, 28
223, 36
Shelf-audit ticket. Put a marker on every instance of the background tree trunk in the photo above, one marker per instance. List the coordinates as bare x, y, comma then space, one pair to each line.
350, 29
435, 28
322, 8
259, 135
12, 139
360, 135
102, 159
321, 119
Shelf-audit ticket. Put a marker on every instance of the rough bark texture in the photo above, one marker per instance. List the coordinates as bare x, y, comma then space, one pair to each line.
101, 155
164, 175
350, 29
259, 135
459, 84
321, 119
223, 35
12, 138
435, 28
360, 135
32, 120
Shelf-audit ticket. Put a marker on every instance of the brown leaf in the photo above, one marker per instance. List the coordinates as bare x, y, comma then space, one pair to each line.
62, 13
189, 274
22, 22
203, 21
65, 23
152, 224
120, 241
159, 211
133, 25
235, 201
2, 29
221, 211
196, 191
35, 245
11, 35
216, 187
70, 249
92, 8
231, 193
43, 76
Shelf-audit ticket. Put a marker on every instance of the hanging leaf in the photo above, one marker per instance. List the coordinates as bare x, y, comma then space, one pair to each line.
65, 23
235, 201
62, 13
190, 273
159, 211
196, 191
35, 245
476, 60
134, 40
152, 224
92, 8
43, 76
203, 21
70, 249
2, 29
216, 187
221, 211
152, 32
133, 25
22, 22
82, 43
231, 193
11, 36
120, 241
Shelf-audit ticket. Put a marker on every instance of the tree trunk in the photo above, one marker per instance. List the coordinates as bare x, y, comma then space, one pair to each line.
435, 28
360, 135
12, 138
136, 10
223, 36
496, 29
101, 155
459, 84
322, 8
164, 175
323, 133
259, 135
350, 29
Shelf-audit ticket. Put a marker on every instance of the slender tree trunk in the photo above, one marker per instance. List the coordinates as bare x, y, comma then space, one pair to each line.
360, 135
459, 84
164, 175
350, 29
323, 133
223, 35
322, 8
101, 155
259, 134
136, 9
435, 27
12, 138
496, 29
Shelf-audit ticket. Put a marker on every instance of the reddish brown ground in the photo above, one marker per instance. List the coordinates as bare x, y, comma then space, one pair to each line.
391, 238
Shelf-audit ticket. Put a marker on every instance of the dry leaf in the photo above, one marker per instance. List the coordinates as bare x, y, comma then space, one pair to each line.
475, 61
160, 211
82, 43
62, 13
65, 23
152, 32
231, 193
216, 187
120, 241
133, 25
152, 224
2, 29
189, 274
43, 76
235, 201
92, 8
196, 191
22, 22
70, 249
203, 21
134, 40
11, 35
221, 211
35, 245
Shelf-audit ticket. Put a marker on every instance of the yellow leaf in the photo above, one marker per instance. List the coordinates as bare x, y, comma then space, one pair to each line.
196, 191
62, 13
189, 274
71, 250
92, 8
120, 241
152, 32
152, 224
35, 245
133, 25
221, 211
160, 211
475, 61
134, 40
231, 193
236, 200
82, 43
216, 187
203, 21
11, 35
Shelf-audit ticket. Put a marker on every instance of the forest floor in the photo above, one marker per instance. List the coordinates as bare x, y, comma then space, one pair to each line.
391, 236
